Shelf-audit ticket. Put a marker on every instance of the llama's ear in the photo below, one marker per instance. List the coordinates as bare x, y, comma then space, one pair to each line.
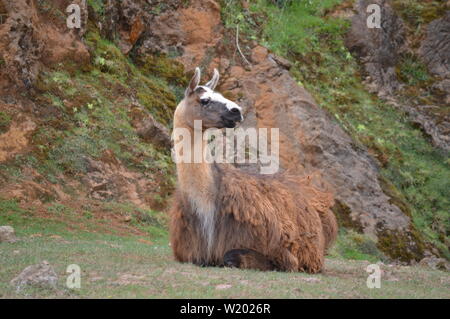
194, 82
213, 82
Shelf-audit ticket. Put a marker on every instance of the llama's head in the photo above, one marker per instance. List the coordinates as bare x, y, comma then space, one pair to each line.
202, 103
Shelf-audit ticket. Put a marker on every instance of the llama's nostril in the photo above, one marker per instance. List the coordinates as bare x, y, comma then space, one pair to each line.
235, 110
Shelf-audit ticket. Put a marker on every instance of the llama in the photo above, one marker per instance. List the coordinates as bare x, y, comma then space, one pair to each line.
223, 216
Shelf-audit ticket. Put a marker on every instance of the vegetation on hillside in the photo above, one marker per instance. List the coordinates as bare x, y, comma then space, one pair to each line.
304, 33
83, 112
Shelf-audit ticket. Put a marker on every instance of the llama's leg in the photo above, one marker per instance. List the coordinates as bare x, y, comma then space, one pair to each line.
313, 267
311, 259
184, 239
247, 259
329, 226
286, 261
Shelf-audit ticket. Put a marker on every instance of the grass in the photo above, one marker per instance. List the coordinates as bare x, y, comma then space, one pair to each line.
5, 121
125, 266
412, 71
356, 246
417, 14
322, 64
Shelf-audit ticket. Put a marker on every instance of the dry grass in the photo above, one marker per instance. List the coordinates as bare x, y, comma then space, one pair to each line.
127, 267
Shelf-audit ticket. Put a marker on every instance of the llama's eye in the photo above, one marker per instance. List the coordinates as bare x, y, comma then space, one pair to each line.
205, 101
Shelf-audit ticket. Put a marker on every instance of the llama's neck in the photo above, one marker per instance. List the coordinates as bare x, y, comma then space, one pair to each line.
196, 179
196, 182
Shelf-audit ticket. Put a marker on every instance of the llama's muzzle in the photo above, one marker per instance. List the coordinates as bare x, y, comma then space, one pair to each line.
232, 117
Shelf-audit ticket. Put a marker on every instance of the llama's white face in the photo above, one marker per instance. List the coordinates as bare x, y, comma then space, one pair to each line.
214, 110
217, 110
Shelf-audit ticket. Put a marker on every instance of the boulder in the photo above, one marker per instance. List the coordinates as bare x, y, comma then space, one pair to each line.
7, 234
39, 276
108, 178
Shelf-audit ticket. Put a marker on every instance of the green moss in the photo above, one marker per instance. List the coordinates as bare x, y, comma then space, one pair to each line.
343, 215
59, 209
85, 112
395, 197
405, 245
157, 98
163, 67
97, 6
10, 205
417, 13
5, 121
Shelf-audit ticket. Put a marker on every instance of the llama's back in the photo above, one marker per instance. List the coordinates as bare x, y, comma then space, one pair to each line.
292, 193
308, 190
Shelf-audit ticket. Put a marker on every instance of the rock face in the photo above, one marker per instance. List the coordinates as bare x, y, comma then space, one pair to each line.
154, 132
436, 127
311, 141
435, 51
377, 48
435, 48
149, 129
107, 178
7, 234
16, 139
378, 51
28, 39
41, 276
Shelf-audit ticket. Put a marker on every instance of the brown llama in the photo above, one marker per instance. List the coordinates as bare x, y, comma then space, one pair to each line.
222, 216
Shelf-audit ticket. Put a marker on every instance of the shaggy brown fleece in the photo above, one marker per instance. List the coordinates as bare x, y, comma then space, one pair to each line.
284, 218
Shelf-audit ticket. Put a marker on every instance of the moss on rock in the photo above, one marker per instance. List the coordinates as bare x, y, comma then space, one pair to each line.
344, 218
164, 67
405, 245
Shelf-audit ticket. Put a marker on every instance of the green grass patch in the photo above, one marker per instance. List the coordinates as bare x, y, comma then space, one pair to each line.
356, 246
412, 71
5, 121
